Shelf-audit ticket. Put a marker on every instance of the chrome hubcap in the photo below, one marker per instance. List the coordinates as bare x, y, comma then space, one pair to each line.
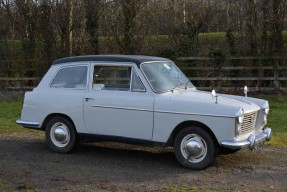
193, 148
60, 134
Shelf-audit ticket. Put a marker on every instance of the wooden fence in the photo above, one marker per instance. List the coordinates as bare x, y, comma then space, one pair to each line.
231, 74
223, 74
18, 74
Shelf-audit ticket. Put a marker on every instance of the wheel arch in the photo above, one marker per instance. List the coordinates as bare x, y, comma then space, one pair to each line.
185, 124
52, 115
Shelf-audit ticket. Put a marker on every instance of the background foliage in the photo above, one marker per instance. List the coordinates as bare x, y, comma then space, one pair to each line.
49, 29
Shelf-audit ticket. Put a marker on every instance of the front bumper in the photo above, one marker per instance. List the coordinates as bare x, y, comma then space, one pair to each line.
252, 142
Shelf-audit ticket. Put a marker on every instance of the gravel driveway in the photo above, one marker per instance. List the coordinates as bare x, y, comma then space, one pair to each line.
28, 165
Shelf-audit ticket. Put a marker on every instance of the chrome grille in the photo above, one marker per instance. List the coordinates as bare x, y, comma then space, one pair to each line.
249, 122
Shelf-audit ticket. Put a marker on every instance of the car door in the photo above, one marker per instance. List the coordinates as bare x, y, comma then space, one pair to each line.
118, 103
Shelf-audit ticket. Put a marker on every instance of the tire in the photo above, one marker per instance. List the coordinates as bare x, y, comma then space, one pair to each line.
226, 151
60, 135
199, 153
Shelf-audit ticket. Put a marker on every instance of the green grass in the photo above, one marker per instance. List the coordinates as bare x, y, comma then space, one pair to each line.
277, 120
9, 112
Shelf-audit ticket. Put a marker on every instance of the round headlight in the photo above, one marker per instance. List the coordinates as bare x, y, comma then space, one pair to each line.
240, 115
266, 107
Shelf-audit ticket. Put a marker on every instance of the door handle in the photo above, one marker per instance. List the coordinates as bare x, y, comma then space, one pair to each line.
87, 99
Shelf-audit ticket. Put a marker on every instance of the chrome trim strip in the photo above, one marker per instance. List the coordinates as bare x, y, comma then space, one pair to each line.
27, 123
197, 114
251, 142
124, 108
181, 113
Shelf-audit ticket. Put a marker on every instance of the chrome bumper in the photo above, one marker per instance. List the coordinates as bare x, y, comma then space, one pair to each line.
28, 124
252, 141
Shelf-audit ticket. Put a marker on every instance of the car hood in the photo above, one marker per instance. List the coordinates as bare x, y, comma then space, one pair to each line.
202, 103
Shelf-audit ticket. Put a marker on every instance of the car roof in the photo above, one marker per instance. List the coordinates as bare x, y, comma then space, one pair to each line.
137, 59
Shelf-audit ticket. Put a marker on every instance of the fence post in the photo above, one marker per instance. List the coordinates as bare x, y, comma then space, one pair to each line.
276, 74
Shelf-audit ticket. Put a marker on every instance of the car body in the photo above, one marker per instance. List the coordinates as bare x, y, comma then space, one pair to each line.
141, 100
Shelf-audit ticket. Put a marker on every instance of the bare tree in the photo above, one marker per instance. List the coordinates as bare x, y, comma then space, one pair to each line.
24, 15
251, 26
64, 21
47, 32
131, 9
277, 25
265, 20
68, 27
92, 23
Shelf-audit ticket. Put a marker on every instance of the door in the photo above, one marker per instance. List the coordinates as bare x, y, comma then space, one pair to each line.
118, 103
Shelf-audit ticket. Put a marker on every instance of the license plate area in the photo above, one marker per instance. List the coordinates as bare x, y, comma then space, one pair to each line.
259, 144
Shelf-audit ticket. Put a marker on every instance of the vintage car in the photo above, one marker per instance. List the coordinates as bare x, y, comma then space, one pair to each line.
141, 100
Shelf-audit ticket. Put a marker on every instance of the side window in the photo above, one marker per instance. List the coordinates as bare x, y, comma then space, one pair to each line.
137, 85
71, 77
112, 78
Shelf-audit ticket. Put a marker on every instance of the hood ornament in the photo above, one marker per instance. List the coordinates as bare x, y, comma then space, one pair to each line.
214, 95
245, 90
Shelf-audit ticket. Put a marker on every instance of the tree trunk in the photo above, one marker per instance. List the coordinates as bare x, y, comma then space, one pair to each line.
130, 11
68, 28
92, 23
251, 28
277, 27
277, 39
265, 25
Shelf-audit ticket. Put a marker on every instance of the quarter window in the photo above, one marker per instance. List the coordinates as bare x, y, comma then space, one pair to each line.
71, 77
137, 85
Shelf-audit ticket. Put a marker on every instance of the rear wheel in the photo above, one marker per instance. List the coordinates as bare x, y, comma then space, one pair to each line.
60, 134
194, 148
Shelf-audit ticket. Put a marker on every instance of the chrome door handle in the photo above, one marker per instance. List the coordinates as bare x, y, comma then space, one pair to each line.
87, 99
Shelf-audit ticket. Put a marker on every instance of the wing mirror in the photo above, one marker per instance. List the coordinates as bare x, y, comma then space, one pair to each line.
214, 95
245, 91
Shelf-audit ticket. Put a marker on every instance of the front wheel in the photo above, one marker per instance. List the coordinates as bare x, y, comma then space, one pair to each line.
194, 148
60, 134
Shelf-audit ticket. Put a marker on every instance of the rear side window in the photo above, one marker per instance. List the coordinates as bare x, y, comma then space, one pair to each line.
71, 77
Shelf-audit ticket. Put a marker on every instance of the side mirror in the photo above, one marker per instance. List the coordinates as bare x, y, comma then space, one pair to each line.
245, 90
213, 94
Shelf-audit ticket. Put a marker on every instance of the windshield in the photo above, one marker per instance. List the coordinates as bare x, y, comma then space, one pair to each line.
165, 76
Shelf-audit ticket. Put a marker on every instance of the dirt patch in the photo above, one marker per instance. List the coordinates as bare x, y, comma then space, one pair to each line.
29, 165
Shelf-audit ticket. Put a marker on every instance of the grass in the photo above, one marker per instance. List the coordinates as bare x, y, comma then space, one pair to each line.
277, 119
10, 112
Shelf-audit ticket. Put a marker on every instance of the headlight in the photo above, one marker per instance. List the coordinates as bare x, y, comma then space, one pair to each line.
266, 107
240, 115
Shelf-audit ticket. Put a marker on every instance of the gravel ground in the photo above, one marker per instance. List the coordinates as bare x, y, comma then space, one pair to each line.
29, 165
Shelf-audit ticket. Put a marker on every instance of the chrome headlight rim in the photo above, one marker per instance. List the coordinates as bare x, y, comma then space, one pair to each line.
240, 115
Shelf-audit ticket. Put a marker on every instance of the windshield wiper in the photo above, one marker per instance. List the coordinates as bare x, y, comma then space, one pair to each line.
177, 86
186, 84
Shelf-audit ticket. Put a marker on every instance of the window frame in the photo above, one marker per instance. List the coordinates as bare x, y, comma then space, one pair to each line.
148, 82
72, 88
131, 66
141, 91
